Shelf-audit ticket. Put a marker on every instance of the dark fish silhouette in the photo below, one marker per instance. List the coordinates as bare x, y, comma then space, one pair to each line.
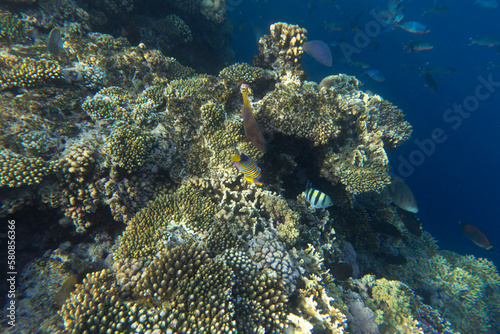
411, 222
476, 236
430, 82
252, 130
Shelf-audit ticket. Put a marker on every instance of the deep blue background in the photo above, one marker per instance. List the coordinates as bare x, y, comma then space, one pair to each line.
460, 180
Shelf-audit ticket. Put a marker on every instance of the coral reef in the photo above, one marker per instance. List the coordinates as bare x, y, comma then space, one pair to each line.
183, 289
17, 170
16, 72
110, 136
281, 50
13, 29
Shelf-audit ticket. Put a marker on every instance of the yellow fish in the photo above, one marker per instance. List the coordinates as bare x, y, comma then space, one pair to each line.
248, 167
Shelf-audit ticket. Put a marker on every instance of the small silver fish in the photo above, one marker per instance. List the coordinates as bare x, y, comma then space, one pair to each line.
318, 199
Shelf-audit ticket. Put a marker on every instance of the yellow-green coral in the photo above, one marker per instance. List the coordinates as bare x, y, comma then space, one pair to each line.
130, 147
220, 135
187, 208
13, 29
109, 103
393, 303
17, 72
16, 170
281, 50
358, 180
183, 290
243, 73
466, 285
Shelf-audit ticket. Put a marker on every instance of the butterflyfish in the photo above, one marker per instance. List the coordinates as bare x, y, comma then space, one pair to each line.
402, 196
318, 199
476, 236
248, 167
252, 129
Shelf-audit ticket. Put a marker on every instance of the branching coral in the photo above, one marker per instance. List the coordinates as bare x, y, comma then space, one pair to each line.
17, 72
16, 170
130, 147
13, 29
243, 73
183, 289
358, 180
282, 50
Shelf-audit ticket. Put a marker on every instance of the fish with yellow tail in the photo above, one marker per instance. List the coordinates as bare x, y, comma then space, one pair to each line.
252, 129
476, 236
318, 199
248, 167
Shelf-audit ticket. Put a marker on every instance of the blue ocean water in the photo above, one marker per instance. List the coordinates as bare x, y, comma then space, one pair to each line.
455, 179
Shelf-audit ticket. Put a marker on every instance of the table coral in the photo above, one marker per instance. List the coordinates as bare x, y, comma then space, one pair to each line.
358, 180
243, 73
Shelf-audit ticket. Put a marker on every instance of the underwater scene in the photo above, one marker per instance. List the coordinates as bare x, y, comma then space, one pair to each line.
249, 166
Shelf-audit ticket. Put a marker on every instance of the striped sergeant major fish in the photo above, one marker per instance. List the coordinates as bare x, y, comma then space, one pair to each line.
248, 167
318, 199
